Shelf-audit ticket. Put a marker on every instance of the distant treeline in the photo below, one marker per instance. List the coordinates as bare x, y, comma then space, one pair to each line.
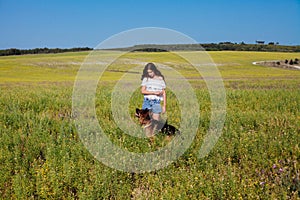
223, 46
14, 51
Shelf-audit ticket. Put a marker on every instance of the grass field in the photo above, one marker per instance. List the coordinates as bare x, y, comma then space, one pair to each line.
256, 157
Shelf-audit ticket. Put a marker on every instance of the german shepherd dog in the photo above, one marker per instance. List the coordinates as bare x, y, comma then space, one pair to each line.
151, 125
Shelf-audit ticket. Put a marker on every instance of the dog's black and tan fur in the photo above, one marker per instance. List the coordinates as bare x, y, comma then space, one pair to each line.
151, 125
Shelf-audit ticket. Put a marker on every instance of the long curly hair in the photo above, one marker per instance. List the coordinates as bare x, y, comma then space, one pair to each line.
151, 66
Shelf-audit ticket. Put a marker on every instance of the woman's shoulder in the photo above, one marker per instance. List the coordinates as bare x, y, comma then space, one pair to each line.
153, 79
159, 78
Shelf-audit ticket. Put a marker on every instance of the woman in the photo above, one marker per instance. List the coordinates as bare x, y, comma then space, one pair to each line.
153, 89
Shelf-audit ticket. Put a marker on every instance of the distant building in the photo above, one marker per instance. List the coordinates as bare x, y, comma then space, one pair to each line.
260, 42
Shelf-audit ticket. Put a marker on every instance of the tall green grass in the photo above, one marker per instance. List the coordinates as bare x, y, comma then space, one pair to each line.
256, 157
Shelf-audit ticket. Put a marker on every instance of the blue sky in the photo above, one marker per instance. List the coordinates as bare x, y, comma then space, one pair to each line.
79, 23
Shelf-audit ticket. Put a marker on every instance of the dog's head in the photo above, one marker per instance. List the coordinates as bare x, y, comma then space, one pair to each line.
143, 115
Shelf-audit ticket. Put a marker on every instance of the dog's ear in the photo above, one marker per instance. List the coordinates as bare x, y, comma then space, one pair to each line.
137, 112
145, 111
146, 114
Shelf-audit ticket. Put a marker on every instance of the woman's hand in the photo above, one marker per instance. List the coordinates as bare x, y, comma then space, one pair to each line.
159, 93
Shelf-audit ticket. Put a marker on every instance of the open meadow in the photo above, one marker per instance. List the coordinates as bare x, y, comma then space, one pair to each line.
256, 157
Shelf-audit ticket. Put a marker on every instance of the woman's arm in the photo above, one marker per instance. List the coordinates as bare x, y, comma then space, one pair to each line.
165, 101
144, 91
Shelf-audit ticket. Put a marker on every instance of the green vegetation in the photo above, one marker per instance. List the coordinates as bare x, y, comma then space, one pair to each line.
222, 46
14, 51
257, 156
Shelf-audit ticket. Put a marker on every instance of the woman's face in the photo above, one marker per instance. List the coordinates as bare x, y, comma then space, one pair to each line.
151, 73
